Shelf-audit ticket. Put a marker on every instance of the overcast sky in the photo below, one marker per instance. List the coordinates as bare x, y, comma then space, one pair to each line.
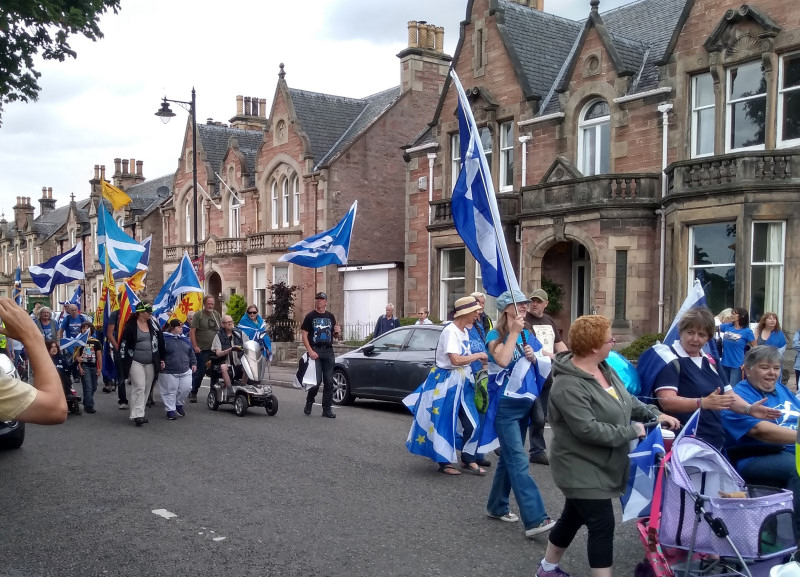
101, 105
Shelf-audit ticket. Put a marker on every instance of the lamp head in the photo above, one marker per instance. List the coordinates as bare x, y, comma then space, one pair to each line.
165, 112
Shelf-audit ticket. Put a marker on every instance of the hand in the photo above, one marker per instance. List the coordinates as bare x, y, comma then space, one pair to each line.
196, 349
81, 372
529, 354
716, 401
483, 357
518, 324
671, 422
640, 432
194, 368
312, 355
759, 411
19, 326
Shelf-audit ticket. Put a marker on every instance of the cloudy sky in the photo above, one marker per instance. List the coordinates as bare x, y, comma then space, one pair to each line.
101, 105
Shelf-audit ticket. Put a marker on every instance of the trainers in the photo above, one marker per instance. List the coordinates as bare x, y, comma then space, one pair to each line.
508, 517
192, 397
557, 572
542, 527
540, 459
89, 410
123, 406
171, 415
309, 405
180, 411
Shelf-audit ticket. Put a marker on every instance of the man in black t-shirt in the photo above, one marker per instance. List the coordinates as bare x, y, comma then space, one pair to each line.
319, 329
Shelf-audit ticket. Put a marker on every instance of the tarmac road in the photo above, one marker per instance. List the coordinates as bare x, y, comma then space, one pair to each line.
289, 495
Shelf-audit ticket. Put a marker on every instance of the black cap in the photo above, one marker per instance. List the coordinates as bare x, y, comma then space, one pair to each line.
321, 296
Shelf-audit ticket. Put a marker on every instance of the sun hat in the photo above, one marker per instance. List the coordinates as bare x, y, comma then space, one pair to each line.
540, 294
466, 305
507, 298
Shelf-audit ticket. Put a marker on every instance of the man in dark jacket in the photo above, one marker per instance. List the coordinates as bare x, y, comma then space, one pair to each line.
227, 345
386, 322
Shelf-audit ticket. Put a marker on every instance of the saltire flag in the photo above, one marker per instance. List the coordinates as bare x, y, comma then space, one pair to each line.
690, 428
17, 293
61, 269
659, 355
127, 303
182, 280
142, 267
124, 252
329, 247
475, 213
76, 297
643, 470
69, 345
114, 195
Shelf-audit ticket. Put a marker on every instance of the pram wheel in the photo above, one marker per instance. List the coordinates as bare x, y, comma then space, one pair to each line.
75, 409
240, 405
211, 400
271, 405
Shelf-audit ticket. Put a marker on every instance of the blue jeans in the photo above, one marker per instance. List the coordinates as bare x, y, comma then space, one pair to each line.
511, 423
776, 470
89, 381
197, 378
731, 374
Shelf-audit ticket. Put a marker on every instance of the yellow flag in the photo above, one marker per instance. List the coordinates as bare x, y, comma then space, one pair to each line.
115, 196
136, 280
189, 302
108, 282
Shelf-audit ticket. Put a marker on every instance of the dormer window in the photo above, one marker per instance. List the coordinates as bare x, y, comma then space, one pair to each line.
594, 139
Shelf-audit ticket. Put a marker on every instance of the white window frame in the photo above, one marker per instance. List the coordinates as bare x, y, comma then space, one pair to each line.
506, 181
781, 92
188, 220
697, 110
594, 125
729, 104
285, 202
296, 199
260, 289
455, 159
94, 239
778, 265
202, 209
443, 280
274, 205
690, 249
234, 222
5, 260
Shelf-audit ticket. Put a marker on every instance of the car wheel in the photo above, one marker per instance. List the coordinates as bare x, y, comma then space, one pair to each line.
240, 405
211, 400
341, 389
14, 438
271, 405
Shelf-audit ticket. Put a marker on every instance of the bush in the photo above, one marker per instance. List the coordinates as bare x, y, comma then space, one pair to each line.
282, 297
555, 294
633, 351
236, 306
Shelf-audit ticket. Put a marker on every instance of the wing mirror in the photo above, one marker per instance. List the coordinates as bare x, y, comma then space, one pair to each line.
368, 350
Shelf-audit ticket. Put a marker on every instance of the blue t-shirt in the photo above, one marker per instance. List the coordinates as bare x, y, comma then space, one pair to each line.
737, 426
733, 343
72, 326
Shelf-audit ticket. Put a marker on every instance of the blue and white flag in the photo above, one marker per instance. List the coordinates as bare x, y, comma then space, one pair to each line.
124, 253
182, 280
76, 297
641, 482
329, 247
68, 344
61, 269
475, 213
144, 262
690, 428
17, 292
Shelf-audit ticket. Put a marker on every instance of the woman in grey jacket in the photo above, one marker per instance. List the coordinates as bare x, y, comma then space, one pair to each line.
175, 381
590, 415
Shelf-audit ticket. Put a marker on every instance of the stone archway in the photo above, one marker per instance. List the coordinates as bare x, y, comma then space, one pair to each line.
214, 287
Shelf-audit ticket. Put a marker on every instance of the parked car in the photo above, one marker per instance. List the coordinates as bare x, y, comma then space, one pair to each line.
12, 433
387, 368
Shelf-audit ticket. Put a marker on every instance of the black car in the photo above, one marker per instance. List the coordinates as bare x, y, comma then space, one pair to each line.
12, 434
387, 368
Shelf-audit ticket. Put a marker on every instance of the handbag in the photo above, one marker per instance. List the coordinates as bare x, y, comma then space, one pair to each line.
482, 391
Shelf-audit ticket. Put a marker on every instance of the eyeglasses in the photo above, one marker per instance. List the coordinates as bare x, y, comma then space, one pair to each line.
422, 313
252, 312
612, 341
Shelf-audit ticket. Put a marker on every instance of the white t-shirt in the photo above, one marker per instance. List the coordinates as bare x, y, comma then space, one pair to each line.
452, 340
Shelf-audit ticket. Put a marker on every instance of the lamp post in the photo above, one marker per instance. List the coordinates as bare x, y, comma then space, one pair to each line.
165, 113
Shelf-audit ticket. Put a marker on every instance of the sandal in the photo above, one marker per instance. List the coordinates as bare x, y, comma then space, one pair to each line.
474, 468
449, 469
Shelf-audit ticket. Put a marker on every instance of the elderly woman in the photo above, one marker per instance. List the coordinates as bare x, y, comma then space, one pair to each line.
516, 383
690, 380
141, 348
736, 337
439, 404
175, 381
764, 451
45, 323
768, 332
590, 414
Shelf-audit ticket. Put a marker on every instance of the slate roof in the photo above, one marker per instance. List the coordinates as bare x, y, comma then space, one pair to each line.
148, 195
215, 140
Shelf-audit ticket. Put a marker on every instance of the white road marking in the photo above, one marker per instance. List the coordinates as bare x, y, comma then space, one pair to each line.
164, 513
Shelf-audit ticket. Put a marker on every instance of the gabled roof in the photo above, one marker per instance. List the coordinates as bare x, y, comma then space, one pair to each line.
148, 195
215, 139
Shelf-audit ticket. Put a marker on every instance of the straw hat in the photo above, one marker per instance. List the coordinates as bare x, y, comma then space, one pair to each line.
465, 306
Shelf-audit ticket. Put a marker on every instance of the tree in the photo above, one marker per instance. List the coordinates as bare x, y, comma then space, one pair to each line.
235, 307
31, 27
282, 297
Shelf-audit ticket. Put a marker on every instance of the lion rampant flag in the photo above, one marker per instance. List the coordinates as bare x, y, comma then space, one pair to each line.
189, 302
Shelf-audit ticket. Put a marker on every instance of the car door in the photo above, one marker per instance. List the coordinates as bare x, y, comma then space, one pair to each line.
372, 368
416, 359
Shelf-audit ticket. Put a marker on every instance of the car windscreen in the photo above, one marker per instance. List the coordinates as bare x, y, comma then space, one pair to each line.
392, 341
423, 340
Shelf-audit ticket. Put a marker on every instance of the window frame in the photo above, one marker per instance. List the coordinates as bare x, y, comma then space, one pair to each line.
455, 159
444, 267
285, 203
780, 265
234, 216
693, 267
505, 181
296, 199
696, 110
729, 104
274, 205
780, 142
594, 125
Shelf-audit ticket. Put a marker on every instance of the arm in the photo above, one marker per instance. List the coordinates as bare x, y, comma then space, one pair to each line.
503, 353
767, 432
49, 407
463, 360
560, 347
796, 341
307, 345
377, 332
193, 338
111, 335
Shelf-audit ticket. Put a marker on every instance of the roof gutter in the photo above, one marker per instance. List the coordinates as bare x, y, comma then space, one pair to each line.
422, 147
538, 119
643, 95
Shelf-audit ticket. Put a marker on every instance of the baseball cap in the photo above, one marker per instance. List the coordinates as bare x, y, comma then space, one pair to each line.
540, 294
508, 297
144, 308
321, 296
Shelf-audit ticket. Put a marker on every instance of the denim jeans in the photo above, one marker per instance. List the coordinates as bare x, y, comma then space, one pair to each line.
511, 423
325, 371
776, 470
89, 381
197, 378
731, 374
539, 419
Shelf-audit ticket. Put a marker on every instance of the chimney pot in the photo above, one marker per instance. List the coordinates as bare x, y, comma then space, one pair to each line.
102, 171
262, 103
44, 192
247, 108
125, 167
239, 105
439, 47
422, 36
96, 171
412, 33
139, 165
117, 169
132, 166
49, 192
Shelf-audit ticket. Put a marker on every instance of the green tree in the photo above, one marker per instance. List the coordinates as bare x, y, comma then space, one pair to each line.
31, 27
236, 306
281, 326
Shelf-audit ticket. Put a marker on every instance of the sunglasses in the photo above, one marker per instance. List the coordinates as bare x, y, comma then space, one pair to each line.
252, 312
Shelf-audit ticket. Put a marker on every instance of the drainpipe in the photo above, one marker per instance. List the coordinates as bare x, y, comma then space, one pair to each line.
431, 160
664, 110
524, 141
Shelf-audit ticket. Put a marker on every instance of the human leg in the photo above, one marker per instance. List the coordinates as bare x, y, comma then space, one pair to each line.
468, 429
183, 390
780, 468
88, 394
138, 395
326, 358
122, 395
168, 385
538, 447
197, 379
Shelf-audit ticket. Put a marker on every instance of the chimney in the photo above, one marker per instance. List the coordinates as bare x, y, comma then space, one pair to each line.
46, 203
23, 213
239, 105
423, 64
102, 172
117, 169
251, 113
124, 168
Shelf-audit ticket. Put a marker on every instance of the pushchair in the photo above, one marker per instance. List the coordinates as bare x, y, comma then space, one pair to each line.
711, 522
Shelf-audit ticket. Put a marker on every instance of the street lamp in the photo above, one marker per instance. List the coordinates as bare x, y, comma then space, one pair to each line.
165, 113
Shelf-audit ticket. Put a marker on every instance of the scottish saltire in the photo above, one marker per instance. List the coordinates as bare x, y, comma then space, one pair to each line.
124, 252
68, 345
475, 213
329, 247
114, 195
17, 292
141, 268
654, 359
256, 330
182, 280
127, 303
690, 428
642, 478
61, 269
76, 297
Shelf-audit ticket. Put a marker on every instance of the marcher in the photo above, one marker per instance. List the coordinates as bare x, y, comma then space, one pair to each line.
43, 402
736, 338
447, 383
111, 335
768, 332
227, 349
205, 325
386, 322
483, 320
590, 415
187, 326
90, 365
318, 330
509, 344
141, 348
175, 381
423, 314
544, 327
251, 323
45, 324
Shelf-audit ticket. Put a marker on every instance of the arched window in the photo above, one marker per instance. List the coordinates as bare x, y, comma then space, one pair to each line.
285, 202
594, 138
274, 204
296, 199
233, 216
188, 221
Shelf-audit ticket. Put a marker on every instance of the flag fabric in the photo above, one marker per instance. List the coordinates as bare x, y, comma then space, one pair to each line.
109, 366
17, 292
114, 195
200, 266
141, 268
99, 315
69, 344
76, 297
188, 302
61, 269
475, 213
124, 252
127, 304
136, 281
329, 247
641, 481
690, 428
182, 280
